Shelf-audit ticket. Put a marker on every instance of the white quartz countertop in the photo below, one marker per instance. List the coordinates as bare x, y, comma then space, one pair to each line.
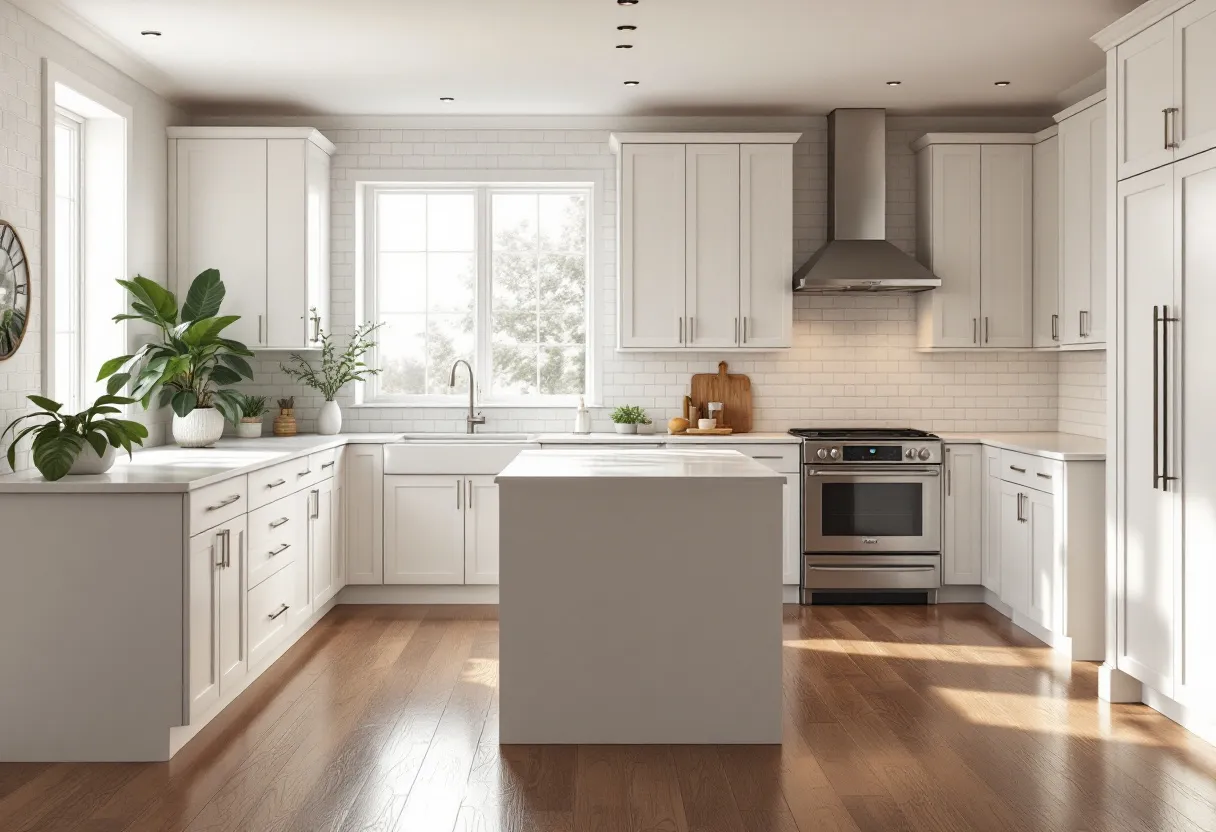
635, 463
1067, 447
666, 438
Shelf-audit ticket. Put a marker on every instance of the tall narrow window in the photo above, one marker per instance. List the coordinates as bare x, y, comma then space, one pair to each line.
69, 382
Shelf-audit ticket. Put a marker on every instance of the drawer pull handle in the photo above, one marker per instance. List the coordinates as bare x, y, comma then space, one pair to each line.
227, 501
1044, 476
276, 483
278, 522
304, 473
275, 615
767, 457
1016, 468
280, 550
325, 465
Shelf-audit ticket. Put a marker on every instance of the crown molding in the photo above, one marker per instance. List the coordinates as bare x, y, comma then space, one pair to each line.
1136, 21
57, 17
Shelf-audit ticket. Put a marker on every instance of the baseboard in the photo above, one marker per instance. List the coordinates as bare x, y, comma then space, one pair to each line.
1201, 724
789, 594
961, 595
415, 594
1116, 686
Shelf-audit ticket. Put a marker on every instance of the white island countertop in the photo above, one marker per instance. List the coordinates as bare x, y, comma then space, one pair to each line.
635, 463
1067, 447
663, 437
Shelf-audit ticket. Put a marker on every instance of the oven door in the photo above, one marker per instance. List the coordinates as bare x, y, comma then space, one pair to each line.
872, 509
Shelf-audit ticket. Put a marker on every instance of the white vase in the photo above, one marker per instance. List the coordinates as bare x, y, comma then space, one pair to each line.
88, 462
249, 428
200, 428
329, 420
626, 428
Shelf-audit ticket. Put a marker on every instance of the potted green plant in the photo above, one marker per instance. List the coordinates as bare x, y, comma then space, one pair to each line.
627, 417
80, 443
187, 369
252, 410
335, 370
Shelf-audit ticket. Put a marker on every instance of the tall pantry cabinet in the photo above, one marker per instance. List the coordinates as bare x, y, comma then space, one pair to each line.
1161, 73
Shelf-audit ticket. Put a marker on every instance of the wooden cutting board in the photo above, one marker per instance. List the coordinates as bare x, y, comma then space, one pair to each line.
733, 390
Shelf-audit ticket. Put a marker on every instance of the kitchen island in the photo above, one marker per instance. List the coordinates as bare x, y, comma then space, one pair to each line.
640, 597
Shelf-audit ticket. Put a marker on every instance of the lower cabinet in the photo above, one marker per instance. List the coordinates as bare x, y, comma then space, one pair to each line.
424, 529
215, 643
324, 527
481, 530
990, 568
363, 483
962, 534
1029, 553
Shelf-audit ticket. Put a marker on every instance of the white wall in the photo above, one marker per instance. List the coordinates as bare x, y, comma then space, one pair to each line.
24, 43
854, 358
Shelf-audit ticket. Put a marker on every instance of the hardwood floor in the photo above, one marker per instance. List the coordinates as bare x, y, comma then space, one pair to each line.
897, 718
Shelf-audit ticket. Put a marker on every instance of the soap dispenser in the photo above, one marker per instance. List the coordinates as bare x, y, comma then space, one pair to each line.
582, 418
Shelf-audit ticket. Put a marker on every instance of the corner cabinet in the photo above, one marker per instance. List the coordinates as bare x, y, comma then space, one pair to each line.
975, 232
255, 203
705, 241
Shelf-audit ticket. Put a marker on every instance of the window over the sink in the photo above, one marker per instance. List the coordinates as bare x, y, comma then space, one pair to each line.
499, 274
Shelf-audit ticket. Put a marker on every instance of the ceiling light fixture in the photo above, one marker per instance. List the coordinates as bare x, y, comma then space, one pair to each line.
624, 46
446, 98
894, 83
150, 33
632, 83
1001, 83
626, 2
626, 28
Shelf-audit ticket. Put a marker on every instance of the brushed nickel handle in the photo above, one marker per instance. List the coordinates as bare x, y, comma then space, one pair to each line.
314, 497
279, 550
1044, 476
275, 524
1171, 142
745, 329
316, 328
1156, 398
736, 330
692, 329
282, 610
276, 483
985, 329
304, 473
222, 536
459, 492
259, 329
767, 457
1055, 327
975, 338
1166, 320
227, 501
949, 480
325, 465
1016, 468
680, 328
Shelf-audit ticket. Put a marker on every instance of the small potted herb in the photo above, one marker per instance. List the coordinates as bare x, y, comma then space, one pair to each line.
285, 422
252, 410
627, 417
83, 443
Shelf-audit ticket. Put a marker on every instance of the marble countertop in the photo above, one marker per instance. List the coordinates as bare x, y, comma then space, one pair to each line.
1067, 447
635, 463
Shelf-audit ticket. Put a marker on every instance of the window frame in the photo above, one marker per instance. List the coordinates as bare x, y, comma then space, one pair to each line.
483, 184
72, 389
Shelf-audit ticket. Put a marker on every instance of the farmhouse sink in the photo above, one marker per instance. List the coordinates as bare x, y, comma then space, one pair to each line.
457, 438
483, 455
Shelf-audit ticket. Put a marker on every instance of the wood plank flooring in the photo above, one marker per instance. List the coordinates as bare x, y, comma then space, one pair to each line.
896, 718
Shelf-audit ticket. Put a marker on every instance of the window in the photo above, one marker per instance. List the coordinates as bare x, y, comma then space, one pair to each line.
498, 275
69, 283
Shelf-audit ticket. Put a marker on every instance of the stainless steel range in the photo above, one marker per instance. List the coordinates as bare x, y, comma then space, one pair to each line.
872, 514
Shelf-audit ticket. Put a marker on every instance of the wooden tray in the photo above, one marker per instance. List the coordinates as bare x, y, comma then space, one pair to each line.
710, 432
733, 390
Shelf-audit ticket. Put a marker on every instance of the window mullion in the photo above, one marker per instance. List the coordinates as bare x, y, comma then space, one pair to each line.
483, 296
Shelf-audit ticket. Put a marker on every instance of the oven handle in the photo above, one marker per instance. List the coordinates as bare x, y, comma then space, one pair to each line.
874, 470
892, 568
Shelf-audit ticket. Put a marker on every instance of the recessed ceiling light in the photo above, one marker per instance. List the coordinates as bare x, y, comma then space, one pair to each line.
624, 46
446, 98
894, 83
152, 33
626, 28
1002, 83
626, 2
632, 83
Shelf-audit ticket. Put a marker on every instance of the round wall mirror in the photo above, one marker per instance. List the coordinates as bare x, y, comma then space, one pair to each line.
14, 291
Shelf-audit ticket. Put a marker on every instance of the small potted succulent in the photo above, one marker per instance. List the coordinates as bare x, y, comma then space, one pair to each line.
285, 422
627, 417
252, 410
81, 443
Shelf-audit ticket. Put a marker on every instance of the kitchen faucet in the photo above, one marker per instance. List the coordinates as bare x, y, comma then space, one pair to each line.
472, 420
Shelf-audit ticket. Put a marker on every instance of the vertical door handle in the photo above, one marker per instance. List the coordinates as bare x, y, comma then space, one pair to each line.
1083, 323
985, 329
948, 481
692, 329
314, 497
1166, 320
1156, 397
1171, 137
1055, 327
221, 538
975, 339
680, 326
745, 329
316, 328
459, 492
736, 330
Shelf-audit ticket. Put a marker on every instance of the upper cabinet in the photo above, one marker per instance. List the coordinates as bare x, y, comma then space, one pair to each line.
705, 241
974, 221
254, 203
1082, 224
1164, 74
1046, 288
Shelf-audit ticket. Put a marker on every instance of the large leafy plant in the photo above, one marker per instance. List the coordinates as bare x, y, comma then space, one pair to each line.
61, 437
193, 362
336, 369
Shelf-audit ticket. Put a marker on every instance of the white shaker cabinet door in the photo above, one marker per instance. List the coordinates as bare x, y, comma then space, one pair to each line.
1045, 568
1047, 243
216, 648
949, 228
1082, 197
712, 245
991, 567
962, 543
1015, 548
652, 246
363, 470
1194, 127
321, 542
220, 223
1145, 565
766, 213
481, 530
1144, 67
792, 559
1007, 245
424, 529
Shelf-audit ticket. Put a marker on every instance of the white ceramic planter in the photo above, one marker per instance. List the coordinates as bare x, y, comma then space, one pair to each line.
626, 428
88, 462
329, 420
249, 428
200, 428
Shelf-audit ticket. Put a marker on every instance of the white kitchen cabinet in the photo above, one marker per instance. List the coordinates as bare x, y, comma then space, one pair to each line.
791, 562
1194, 125
991, 522
962, 540
705, 227
424, 529
766, 256
300, 568
1015, 548
1044, 570
1082, 231
481, 530
216, 660
322, 550
712, 245
254, 204
364, 513
1046, 289
1006, 244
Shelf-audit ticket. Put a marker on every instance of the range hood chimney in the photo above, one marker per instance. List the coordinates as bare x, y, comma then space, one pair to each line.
857, 257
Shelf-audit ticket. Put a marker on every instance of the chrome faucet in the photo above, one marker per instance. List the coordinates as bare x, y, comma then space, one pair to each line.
472, 420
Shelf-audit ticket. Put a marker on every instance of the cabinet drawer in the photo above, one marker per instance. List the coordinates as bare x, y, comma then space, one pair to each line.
783, 458
277, 481
269, 613
323, 465
278, 534
1030, 471
215, 504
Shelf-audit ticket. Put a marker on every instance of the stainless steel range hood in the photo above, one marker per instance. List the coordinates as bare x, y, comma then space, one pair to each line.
857, 257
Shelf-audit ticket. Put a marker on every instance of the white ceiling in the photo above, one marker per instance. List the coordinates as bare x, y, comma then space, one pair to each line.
542, 57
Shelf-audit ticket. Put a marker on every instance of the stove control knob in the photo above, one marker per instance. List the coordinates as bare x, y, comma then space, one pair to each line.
834, 453
910, 453
924, 453
822, 453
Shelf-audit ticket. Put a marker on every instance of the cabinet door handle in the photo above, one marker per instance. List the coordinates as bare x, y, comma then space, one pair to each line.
282, 610
1166, 320
314, 497
222, 537
316, 328
985, 329
1055, 327
975, 338
1016, 468
227, 501
692, 329
745, 329
279, 550
259, 329
304, 473
680, 329
736, 330
469, 485
325, 465
949, 479
275, 484
758, 456
1171, 142
1044, 476
279, 522
459, 492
